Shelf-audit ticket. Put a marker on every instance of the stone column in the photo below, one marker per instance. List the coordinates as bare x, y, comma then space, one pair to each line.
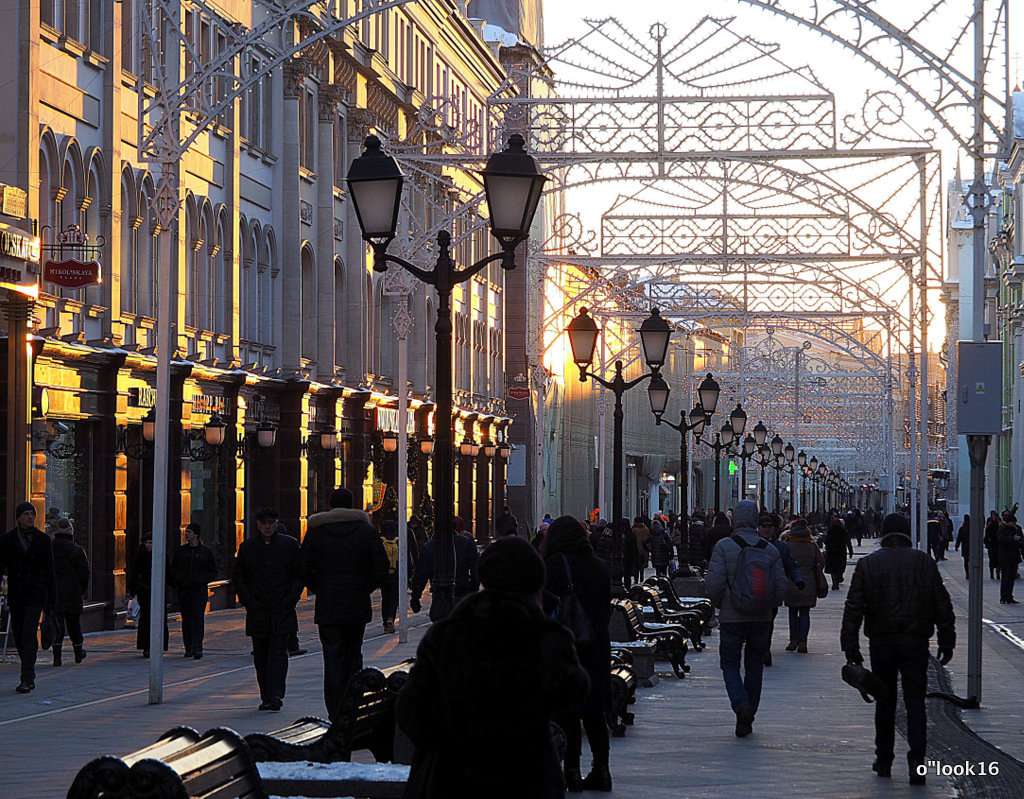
325, 302
291, 307
484, 514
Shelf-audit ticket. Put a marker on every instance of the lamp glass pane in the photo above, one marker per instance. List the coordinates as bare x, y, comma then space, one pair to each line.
508, 202
708, 392
376, 204
266, 436
214, 433
658, 392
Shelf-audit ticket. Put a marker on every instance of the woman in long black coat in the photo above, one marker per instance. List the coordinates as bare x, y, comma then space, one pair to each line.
568, 557
835, 552
140, 581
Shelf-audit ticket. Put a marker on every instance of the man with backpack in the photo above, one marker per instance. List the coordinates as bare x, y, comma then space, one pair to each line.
746, 581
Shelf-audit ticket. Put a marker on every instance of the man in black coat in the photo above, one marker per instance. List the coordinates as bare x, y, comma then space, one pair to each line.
898, 593
268, 583
192, 569
343, 563
71, 566
465, 570
26, 554
486, 682
1008, 541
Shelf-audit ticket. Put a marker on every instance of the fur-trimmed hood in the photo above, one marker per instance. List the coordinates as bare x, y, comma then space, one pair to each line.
337, 516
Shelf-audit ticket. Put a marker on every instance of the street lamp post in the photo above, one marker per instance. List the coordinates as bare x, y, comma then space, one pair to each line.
790, 453
697, 420
801, 462
762, 459
654, 335
730, 432
513, 184
749, 448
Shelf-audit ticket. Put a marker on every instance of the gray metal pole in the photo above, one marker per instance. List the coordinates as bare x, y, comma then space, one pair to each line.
977, 448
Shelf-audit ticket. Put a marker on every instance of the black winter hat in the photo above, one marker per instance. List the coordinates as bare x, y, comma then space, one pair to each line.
341, 498
896, 524
511, 565
22, 507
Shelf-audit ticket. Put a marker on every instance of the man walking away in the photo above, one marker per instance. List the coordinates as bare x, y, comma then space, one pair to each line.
389, 588
466, 581
268, 583
898, 593
1009, 540
26, 554
746, 581
71, 567
343, 563
193, 568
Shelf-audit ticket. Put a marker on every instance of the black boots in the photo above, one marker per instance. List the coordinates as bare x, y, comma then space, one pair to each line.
599, 778
79, 653
57, 653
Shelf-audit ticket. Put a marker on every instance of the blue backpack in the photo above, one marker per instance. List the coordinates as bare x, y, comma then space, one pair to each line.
751, 590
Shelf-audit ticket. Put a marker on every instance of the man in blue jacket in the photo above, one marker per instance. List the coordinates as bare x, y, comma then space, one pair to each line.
740, 628
343, 563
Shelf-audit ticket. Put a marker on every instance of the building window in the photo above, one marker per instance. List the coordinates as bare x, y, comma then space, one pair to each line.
307, 129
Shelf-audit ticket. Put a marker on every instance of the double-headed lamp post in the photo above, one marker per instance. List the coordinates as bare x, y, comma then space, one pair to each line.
730, 432
699, 416
513, 184
655, 333
801, 461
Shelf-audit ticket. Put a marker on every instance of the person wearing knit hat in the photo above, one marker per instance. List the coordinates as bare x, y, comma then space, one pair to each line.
500, 669
897, 592
71, 566
26, 555
193, 568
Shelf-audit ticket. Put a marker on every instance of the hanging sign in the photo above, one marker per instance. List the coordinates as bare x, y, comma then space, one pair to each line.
520, 388
71, 273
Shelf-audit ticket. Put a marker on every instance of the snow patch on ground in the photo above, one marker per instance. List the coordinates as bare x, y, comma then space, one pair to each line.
305, 770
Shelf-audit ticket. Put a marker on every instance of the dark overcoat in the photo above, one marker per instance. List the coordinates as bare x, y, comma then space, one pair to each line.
30, 576
71, 567
480, 697
268, 583
592, 585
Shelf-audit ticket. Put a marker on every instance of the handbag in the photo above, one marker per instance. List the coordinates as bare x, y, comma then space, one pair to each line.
570, 612
820, 581
47, 631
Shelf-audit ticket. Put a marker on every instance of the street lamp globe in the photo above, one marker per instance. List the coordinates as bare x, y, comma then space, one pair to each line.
490, 448
390, 440
426, 445
504, 450
513, 184
375, 184
328, 439
726, 434
214, 430
814, 464
657, 393
749, 445
789, 452
801, 459
738, 420
654, 335
777, 444
760, 433
697, 420
708, 392
266, 435
582, 332
149, 425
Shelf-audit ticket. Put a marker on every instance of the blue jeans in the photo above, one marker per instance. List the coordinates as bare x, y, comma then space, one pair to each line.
799, 624
733, 637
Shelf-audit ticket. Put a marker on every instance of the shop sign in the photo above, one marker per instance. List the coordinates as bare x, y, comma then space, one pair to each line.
16, 244
208, 403
141, 397
15, 202
72, 273
520, 388
387, 421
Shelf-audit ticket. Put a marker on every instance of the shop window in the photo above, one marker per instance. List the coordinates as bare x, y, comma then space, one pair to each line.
212, 507
69, 483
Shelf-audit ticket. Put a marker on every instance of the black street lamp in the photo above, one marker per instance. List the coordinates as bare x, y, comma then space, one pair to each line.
790, 452
723, 441
762, 459
801, 462
748, 449
697, 420
654, 335
513, 183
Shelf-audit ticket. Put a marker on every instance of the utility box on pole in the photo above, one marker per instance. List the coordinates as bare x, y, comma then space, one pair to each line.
979, 384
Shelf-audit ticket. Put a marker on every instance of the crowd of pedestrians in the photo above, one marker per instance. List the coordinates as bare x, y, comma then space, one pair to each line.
502, 665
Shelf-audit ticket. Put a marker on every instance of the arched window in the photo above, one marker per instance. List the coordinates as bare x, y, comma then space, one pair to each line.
147, 273
129, 236
220, 284
339, 312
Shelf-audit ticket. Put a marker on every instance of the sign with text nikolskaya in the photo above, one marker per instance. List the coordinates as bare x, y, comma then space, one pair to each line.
72, 273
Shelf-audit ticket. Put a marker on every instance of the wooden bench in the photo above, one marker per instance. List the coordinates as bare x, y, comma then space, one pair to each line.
647, 596
182, 763
671, 599
365, 720
624, 683
668, 639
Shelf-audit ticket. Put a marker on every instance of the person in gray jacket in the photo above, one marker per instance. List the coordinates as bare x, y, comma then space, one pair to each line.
741, 633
